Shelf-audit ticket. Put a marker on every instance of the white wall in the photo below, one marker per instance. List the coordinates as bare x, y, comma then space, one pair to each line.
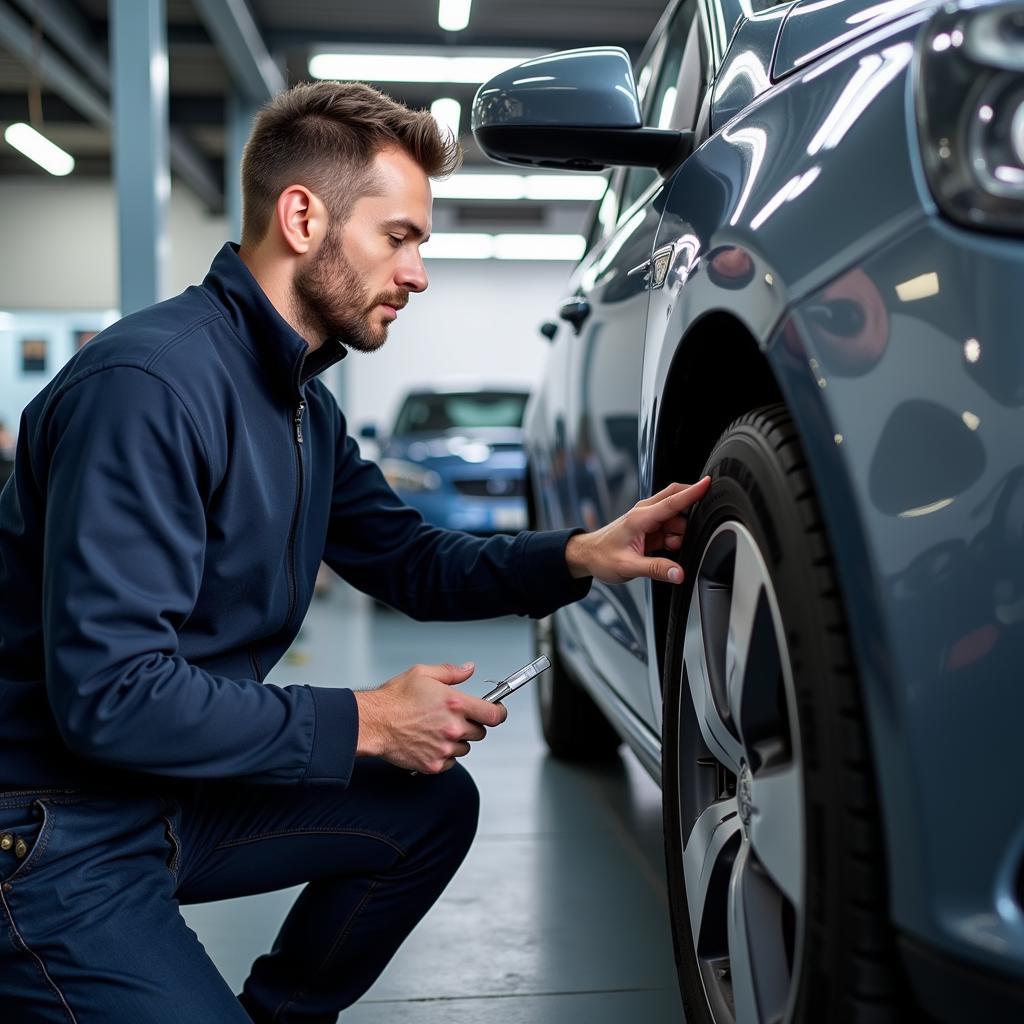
478, 319
60, 244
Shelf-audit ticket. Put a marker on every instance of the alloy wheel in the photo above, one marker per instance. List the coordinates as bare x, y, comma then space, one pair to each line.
741, 787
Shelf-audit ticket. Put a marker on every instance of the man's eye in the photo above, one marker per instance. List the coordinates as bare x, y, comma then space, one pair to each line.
396, 240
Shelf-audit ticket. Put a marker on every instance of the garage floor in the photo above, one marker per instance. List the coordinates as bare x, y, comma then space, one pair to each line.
558, 914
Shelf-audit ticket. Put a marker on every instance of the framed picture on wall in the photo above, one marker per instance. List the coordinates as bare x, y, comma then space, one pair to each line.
33, 355
81, 337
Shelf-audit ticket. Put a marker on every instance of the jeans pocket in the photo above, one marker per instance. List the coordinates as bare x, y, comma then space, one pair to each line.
23, 834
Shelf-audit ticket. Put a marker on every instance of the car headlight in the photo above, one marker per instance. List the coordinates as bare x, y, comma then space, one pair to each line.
970, 106
407, 476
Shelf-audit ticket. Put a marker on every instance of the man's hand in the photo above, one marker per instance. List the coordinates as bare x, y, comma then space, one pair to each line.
419, 721
620, 551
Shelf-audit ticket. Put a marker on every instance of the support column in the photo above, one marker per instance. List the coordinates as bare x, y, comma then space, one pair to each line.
138, 44
241, 111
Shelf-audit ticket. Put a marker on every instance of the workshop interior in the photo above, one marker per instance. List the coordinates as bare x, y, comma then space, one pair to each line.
779, 245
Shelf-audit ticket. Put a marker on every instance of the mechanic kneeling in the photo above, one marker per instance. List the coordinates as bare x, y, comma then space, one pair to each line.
175, 488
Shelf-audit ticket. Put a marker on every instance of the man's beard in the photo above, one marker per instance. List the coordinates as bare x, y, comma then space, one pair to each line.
333, 301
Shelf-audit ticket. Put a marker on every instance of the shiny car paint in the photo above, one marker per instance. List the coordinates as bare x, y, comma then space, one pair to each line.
806, 194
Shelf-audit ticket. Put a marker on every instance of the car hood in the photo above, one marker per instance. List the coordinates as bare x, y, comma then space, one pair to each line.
476, 445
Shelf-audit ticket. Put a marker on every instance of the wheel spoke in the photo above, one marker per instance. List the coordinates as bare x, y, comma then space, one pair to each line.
777, 828
712, 838
747, 585
757, 958
720, 741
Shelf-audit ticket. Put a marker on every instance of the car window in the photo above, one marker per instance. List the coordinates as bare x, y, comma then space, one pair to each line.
460, 410
660, 102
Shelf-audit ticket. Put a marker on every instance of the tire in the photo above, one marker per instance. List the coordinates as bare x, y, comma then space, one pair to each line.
771, 823
573, 725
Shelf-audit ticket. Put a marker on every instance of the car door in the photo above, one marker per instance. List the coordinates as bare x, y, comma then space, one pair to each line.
606, 314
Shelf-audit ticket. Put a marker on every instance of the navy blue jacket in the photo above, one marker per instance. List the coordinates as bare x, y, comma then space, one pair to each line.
175, 489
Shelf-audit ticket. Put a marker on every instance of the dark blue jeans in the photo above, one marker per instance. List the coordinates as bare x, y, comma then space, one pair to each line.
93, 931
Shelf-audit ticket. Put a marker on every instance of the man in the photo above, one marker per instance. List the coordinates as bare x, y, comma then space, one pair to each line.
176, 487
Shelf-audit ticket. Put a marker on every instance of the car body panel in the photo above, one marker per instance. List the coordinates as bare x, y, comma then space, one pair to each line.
807, 200
605, 364
816, 27
746, 71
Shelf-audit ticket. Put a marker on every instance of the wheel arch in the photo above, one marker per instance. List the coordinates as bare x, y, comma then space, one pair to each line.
692, 415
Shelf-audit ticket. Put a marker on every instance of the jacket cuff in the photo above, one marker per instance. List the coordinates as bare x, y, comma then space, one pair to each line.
545, 573
334, 737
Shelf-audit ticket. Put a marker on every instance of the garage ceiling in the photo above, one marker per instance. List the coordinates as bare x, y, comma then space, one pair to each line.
201, 84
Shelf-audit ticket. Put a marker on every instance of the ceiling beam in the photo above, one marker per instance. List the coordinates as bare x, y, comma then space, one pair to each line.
65, 24
54, 69
234, 30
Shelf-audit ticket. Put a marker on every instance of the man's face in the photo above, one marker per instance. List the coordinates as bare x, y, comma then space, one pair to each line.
363, 271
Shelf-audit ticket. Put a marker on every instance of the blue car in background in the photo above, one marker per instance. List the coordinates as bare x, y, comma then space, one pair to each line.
457, 457
805, 279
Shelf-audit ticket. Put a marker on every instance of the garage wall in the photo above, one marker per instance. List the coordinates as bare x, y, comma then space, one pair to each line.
59, 246
477, 321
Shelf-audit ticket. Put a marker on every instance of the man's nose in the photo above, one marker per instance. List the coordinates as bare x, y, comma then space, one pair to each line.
412, 274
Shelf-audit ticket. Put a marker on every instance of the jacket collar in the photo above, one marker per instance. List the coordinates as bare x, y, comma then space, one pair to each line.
278, 346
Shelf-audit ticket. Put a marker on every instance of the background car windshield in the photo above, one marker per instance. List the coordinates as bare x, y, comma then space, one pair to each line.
431, 413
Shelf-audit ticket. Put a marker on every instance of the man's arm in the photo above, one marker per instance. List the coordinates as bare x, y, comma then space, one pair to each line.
125, 537
384, 548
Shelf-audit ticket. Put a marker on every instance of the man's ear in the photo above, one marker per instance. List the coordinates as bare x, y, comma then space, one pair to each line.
301, 219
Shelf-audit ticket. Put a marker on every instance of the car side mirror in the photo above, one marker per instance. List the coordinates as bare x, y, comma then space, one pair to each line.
576, 110
549, 329
368, 431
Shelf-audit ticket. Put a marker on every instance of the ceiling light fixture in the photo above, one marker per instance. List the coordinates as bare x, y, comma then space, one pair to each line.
27, 141
517, 186
453, 15
448, 113
466, 246
468, 69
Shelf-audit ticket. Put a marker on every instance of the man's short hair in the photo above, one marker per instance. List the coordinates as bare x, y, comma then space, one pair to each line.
325, 135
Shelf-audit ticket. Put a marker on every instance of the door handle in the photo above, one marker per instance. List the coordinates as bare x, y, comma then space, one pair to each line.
575, 310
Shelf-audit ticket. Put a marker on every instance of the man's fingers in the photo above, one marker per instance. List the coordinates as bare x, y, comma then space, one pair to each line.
483, 711
446, 673
663, 569
474, 732
672, 488
656, 515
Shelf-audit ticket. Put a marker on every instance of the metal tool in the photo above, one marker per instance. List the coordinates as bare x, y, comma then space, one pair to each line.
512, 683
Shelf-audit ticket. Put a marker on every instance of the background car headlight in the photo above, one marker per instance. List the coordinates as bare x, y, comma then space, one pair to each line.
407, 476
970, 108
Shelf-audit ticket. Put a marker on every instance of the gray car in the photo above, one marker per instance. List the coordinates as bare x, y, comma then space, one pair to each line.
805, 279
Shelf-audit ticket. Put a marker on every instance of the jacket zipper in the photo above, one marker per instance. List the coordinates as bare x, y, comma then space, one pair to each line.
292, 585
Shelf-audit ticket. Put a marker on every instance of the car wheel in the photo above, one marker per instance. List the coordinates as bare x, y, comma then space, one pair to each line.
774, 858
573, 726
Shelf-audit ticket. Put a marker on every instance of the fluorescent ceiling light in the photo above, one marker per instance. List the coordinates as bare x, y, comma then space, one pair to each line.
518, 186
458, 247
453, 15
568, 186
25, 139
921, 287
539, 247
503, 247
413, 67
447, 113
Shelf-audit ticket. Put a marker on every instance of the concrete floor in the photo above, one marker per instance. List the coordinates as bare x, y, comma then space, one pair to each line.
559, 912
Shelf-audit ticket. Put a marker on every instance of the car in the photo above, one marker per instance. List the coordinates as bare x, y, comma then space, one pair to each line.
456, 455
803, 279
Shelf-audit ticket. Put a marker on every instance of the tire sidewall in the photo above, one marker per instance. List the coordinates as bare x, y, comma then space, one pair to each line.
750, 486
